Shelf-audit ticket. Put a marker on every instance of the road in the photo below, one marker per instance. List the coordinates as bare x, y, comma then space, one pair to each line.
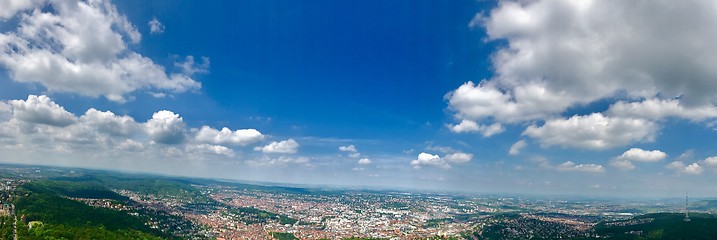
14, 224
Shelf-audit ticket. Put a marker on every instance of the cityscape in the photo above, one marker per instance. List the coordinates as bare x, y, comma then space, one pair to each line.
219, 209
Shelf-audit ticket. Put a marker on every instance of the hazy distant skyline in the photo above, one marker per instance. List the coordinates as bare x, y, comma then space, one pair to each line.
599, 98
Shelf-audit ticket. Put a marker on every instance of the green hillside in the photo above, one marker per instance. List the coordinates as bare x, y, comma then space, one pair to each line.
63, 218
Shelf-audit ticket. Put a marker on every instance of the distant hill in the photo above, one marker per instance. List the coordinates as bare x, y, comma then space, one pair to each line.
660, 226
76, 189
704, 205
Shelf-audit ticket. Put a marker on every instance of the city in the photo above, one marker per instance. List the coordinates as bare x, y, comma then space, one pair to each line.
216, 209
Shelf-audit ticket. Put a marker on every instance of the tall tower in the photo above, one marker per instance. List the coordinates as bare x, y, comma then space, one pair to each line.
687, 210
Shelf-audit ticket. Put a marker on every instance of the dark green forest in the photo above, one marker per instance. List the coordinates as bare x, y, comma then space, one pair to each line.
63, 218
664, 226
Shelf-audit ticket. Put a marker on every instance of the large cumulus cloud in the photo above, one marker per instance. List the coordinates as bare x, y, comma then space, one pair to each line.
82, 47
653, 59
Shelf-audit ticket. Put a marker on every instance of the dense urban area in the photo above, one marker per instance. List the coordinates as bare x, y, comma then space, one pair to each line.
43, 202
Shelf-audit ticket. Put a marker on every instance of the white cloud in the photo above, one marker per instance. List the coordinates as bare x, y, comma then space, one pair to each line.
516, 147
155, 26
618, 46
42, 110
451, 156
189, 67
39, 121
289, 146
593, 131
214, 149
459, 157
622, 164
281, 161
108, 122
624, 161
349, 148
472, 126
680, 167
364, 161
81, 47
487, 101
640, 155
710, 161
464, 126
106, 138
676, 165
11, 7
166, 127
562, 54
571, 166
240, 137
656, 109
426, 159
693, 168
131, 146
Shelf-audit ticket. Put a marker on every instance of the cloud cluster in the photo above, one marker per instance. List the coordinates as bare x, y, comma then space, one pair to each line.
458, 157
82, 47
472, 126
640, 155
40, 124
694, 168
568, 166
110, 123
427, 159
289, 146
565, 54
11, 7
281, 161
624, 161
354, 153
571, 166
656, 109
681, 167
226, 136
351, 150
710, 161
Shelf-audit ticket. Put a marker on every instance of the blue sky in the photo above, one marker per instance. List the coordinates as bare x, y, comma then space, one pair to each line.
541, 97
